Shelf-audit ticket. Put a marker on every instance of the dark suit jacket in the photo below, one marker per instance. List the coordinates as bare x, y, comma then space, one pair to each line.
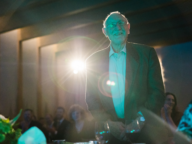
143, 89
61, 131
86, 134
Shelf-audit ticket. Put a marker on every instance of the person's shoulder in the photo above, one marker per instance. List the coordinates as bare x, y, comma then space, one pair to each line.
65, 122
70, 125
140, 50
179, 114
140, 47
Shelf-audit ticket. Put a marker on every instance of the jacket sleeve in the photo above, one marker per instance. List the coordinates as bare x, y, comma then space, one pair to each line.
156, 96
92, 92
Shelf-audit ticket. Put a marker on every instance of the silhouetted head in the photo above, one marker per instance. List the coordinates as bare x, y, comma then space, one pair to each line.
76, 113
28, 115
171, 100
60, 113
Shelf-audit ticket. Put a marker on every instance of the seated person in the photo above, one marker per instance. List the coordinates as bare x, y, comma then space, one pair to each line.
171, 115
60, 124
80, 130
49, 127
42, 121
169, 112
29, 122
184, 130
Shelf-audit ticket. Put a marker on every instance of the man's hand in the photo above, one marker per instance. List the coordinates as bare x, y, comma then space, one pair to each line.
117, 129
136, 125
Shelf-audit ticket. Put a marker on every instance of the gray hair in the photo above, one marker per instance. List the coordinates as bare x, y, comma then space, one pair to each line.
115, 12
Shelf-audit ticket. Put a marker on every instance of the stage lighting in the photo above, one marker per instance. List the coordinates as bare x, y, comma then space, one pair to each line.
77, 66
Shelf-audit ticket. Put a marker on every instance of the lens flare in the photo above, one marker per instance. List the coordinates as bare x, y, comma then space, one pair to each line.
78, 66
75, 71
110, 83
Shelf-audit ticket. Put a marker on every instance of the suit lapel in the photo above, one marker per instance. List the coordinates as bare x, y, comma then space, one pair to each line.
105, 61
132, 64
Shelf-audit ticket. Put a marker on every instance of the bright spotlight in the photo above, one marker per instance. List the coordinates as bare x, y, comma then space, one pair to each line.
75, 71
77, 66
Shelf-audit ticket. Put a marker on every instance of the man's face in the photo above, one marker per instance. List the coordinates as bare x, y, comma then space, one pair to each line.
59, 113
28, 116
116, 29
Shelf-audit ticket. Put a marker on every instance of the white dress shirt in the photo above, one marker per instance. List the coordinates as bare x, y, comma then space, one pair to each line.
117, 74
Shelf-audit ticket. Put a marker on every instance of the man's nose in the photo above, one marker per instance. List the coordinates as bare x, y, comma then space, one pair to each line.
118, 26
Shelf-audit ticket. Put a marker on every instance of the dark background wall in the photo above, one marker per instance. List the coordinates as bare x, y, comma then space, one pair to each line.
177, 71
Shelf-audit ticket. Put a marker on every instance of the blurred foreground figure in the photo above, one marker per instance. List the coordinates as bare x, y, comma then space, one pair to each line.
32, 136
60, 124
49, 127
124, 83
184, 130
81, 129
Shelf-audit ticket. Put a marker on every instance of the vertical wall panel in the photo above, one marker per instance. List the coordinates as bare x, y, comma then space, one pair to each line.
8, 72
48, 79
29, 71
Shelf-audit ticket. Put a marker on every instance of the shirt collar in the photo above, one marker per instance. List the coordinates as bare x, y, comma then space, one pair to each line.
111, 52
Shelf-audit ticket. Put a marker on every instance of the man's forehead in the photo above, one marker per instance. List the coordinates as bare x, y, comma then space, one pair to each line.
115, 18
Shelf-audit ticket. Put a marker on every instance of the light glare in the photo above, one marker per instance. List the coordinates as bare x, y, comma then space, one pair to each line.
75, 71
110, 83
77, 66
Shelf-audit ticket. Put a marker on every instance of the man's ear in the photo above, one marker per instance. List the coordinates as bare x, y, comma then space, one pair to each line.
128, 27
104, 32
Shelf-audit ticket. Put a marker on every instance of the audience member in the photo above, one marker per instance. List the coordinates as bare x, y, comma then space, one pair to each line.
184, 130
60, 124
169, 112
29, 122
42, 121
34, 118
80, 130
171, 115
49, 127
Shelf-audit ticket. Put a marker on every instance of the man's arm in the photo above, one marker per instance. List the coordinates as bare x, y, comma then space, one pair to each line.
156, 96
92, 98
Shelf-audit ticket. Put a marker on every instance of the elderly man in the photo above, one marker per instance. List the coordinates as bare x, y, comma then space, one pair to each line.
123, 82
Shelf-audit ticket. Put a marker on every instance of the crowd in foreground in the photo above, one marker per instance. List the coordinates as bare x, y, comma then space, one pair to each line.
79, 129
